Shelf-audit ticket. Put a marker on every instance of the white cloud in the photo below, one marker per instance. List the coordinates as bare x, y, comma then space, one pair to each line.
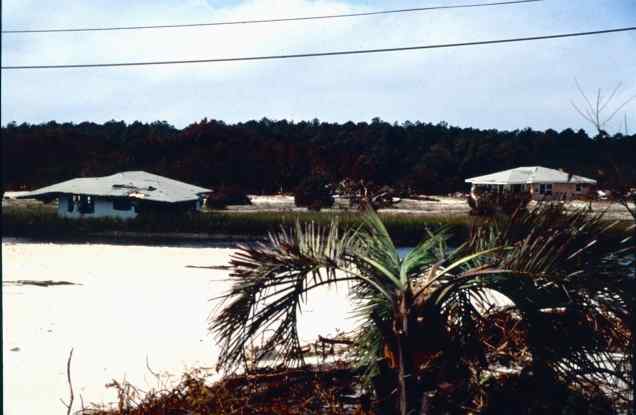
506, 86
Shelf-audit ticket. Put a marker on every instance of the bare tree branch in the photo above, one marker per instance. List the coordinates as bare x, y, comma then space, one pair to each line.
620, 107
611, 96
594, 114
581, 113
597, 111
590, 110
69, 406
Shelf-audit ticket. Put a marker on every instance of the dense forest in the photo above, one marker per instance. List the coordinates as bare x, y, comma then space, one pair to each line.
270, 156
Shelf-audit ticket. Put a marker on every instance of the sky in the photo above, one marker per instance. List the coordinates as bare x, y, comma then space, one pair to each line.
510, 86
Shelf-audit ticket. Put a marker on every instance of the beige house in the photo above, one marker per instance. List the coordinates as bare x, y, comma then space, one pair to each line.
541, 182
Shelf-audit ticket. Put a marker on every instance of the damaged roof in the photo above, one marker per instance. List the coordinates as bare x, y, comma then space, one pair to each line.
131, 184
528, 175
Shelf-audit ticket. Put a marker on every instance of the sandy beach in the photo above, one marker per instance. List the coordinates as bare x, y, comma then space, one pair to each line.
132, 305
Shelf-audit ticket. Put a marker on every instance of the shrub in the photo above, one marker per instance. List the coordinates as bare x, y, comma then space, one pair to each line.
313, 193
490, 203
227, 195
363, 195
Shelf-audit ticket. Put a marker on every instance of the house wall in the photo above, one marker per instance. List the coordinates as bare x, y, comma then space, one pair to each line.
561, 191
103, 209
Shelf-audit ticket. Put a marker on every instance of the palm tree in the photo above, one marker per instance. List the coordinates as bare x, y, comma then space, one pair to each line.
427, 315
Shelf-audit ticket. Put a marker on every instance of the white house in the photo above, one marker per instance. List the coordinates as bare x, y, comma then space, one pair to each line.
542, 183
122, 195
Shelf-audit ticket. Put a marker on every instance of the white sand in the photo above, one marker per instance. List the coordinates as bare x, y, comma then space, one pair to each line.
135, 302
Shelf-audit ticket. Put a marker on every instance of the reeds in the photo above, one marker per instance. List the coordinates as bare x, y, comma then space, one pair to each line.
41, 222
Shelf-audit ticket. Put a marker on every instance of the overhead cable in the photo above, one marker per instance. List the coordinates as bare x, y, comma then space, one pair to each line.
324, 54
274, 20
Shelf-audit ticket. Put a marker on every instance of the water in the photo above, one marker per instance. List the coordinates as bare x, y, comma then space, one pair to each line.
136, 304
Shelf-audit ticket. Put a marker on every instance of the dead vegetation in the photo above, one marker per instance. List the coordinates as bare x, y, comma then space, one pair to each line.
338, 389
332, 389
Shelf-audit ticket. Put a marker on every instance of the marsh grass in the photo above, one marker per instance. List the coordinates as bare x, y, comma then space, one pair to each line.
41, 222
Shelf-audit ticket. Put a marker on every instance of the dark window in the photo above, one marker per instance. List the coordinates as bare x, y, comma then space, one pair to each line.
579, 187
86, 204
545, 189
70, 204
516, 188
122, 204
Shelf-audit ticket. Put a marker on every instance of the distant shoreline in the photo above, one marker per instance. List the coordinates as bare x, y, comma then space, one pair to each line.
40, 222
407, 222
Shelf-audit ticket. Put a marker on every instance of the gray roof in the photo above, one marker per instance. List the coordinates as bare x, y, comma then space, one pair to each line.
132, 184
527, 175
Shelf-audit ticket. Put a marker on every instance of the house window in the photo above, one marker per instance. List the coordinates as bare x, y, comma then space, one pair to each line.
122, 204
579, 188
516, 188
545, 189
86, 204
70, 204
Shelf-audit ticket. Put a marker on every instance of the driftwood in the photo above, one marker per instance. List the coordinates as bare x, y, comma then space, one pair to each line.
327, 345
327, 340
215, 267
37, 283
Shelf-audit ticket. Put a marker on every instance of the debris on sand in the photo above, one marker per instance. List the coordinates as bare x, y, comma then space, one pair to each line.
39, 283
214, 267
332, 389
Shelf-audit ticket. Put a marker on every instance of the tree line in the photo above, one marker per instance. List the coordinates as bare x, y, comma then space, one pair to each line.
270, 156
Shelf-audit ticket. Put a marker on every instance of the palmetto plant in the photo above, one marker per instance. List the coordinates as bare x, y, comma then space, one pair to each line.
429, 317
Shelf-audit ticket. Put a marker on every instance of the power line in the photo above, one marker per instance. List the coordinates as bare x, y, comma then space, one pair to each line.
322, 54
276, 20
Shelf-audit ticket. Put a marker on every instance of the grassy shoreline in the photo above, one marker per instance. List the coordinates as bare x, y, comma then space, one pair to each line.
42, 223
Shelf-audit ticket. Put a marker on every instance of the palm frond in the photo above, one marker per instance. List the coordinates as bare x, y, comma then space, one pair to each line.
376, 244
429, 251
565, 277
270, 283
